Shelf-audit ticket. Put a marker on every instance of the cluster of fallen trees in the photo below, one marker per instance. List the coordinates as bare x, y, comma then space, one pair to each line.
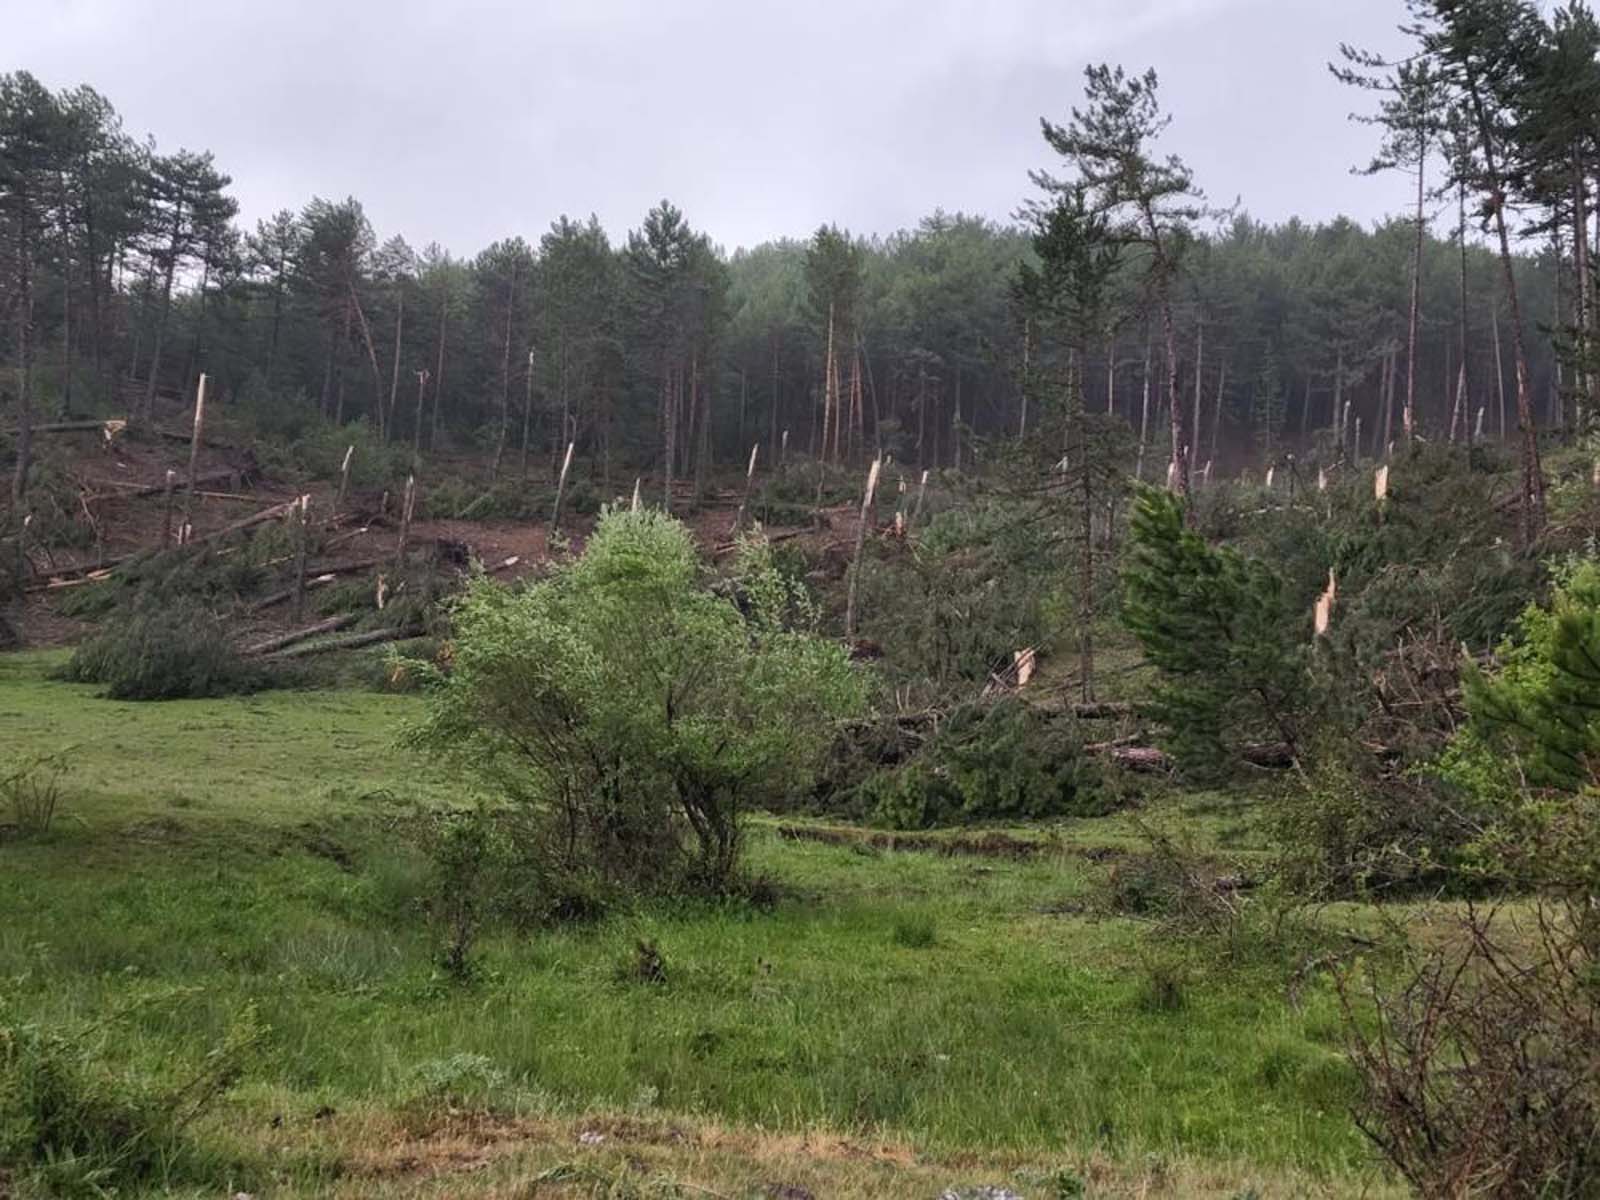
1131, 750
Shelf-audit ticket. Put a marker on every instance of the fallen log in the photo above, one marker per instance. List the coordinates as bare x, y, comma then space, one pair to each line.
1104, 710
1274, 756
76, 576
331, 625
276, 598
317, 577
83, 426
250, 522
187, 438
350, 641
131, 491
772, 538
343, 537
1144, 760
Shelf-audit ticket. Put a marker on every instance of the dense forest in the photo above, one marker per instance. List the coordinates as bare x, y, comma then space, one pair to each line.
126, 274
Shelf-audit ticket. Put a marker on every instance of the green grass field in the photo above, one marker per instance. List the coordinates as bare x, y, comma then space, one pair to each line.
900, 1022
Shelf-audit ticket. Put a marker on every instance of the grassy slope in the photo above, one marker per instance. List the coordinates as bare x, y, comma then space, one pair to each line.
214, 855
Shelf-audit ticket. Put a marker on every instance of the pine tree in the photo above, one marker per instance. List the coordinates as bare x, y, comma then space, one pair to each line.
1220, 629
1152, 202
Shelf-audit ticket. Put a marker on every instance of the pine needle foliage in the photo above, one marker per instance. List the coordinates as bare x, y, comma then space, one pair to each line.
1221, 630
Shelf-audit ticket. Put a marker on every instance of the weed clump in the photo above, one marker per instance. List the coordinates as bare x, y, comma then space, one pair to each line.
914, 932
32, 794
71, 1124
643, 964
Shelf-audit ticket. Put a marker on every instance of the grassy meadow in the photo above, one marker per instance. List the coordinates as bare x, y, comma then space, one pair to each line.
898, 1022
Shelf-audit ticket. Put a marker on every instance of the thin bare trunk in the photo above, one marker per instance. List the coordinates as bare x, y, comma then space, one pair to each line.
1144, 411
166, 307
1499, 368
827, 386
1463, 402
1027, 347
1199, 379
955, 423
505, 374
1532, 495
1111, 376
1580, 245
1216, 424
438, 373
386, 425
527, 415
1408, 419
372, 349
24, 376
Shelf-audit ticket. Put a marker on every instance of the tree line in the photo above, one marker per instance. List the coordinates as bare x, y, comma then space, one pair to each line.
124, 273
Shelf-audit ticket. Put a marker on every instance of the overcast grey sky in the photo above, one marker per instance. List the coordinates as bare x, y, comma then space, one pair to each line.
463, 120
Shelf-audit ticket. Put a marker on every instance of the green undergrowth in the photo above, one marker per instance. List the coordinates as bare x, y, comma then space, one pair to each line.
246, 854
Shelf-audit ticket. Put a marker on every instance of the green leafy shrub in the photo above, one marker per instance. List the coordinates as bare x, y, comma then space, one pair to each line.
165, 652
630, 716
1350, 828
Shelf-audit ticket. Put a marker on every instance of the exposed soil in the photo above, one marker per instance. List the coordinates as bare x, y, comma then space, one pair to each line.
109, 476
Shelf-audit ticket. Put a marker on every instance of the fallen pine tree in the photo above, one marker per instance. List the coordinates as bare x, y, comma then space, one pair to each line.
282, 640
348, 641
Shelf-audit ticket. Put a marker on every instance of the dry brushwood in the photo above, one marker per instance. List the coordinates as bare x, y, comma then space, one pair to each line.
1481, 1072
